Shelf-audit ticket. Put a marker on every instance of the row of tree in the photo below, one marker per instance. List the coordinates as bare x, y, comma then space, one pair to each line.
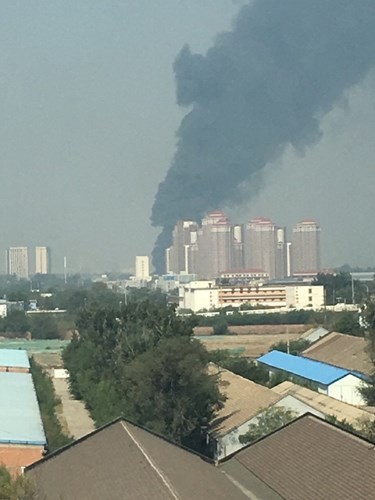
141, 361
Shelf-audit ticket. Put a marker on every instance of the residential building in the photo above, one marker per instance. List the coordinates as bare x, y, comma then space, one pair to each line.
336, 382
215, 245
344, 351
306, 248
123, 460
142, 267
198, 296
184, 235
17, 260
299, 296
307, 459
238, 256
281, 254
238, 275
326, 405
260, 245
245, 403
305, 296
42, 260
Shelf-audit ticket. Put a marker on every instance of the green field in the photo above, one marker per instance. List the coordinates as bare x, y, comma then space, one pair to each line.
34, 346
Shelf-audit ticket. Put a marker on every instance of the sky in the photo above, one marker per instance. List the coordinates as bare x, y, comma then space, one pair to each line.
88, 122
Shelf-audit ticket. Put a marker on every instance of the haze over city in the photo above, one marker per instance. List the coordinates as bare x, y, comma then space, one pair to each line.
88, 127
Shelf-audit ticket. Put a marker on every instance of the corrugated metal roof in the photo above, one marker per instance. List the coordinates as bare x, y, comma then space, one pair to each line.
20, 420
309, 369
15, 358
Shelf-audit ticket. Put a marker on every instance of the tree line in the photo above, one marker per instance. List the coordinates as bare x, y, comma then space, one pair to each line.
140, 361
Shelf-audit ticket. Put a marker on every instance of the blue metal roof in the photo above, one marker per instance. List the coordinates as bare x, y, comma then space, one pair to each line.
306, 368
15, 358
20, 420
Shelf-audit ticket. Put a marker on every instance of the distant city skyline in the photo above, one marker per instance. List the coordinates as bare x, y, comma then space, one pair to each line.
217, 245
88, 127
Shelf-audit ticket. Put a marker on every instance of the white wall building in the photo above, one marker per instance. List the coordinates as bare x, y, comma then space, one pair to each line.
198, 295
142, 267
17, 260
305, 296
42, 260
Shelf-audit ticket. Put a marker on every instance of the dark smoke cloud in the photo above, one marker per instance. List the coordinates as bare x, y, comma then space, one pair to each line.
262, 86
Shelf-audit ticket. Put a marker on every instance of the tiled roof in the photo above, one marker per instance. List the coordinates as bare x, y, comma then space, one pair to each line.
16, 457
245, 399
124, 461
341, 350
308, 369
325, 404
311, 459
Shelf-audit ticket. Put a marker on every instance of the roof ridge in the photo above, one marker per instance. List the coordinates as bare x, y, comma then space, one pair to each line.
158, 471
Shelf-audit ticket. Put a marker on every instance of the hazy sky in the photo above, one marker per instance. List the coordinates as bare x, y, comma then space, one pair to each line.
88, 118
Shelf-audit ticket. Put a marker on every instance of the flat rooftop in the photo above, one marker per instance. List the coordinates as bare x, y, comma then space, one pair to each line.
14, 358
20, 419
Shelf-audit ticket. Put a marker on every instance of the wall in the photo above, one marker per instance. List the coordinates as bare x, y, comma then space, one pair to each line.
303, 296
198, 295
347, 389
228, 444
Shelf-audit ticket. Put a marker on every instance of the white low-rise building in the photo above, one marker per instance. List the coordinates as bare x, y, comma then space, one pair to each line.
199, 295
338, 383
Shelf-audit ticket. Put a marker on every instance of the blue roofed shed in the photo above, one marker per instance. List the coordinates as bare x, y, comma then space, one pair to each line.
338, 383
14, 360
20, 419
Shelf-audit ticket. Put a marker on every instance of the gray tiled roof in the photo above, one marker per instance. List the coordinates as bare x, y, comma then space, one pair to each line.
311, 459
123, 461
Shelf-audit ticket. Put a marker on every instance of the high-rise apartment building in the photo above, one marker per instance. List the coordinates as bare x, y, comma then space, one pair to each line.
142, 267
306, 247
260, 245
17, 261
281, 269
42, 260
215, 245
177, 256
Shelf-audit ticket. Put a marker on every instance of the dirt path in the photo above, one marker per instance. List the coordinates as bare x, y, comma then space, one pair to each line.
74, 412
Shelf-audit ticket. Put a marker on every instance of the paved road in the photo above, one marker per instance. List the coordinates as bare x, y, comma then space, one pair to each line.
77, 417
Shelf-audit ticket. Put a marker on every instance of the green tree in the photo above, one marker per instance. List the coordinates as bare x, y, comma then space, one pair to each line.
295, 346
368, 391
220, 327
240, 366
348, 322
268, 421
167, 390
48, 402
141, 361
16, 488
44, 326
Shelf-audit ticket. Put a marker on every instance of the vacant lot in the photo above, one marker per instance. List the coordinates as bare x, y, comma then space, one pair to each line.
251, 346
255, 329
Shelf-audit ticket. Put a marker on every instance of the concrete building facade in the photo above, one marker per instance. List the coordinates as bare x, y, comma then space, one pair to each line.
17, 261
260, 245
142, 267
42, 260
306, 247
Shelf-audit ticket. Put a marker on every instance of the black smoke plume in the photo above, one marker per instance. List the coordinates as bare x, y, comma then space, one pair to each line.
262, 86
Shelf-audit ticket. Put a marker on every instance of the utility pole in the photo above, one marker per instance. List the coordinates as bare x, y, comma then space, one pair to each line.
353, 295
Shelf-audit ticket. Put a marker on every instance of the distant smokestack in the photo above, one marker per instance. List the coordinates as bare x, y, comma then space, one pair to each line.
262, 86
